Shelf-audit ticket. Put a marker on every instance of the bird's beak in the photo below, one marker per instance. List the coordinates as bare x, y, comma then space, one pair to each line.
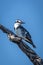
22, 23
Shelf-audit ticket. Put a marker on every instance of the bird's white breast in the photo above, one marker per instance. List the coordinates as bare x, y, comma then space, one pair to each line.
16, 25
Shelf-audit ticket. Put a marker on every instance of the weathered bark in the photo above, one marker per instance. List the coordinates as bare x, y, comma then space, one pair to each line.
35, 59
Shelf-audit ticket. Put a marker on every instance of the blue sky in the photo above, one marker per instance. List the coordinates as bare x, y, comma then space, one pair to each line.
31, 12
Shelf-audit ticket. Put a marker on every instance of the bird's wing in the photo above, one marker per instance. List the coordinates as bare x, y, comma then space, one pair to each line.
25, 32
26, 36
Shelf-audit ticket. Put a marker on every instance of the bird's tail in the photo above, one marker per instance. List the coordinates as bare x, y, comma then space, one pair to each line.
31, 42
33, 45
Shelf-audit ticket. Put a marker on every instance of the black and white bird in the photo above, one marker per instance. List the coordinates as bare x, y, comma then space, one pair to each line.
22, 32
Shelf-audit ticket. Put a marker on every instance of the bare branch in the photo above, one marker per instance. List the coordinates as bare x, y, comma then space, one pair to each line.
35, 59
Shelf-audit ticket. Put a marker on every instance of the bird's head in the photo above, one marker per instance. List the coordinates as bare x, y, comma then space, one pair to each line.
18, 23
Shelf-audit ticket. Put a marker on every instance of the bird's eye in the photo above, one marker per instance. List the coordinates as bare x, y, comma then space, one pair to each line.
17, 21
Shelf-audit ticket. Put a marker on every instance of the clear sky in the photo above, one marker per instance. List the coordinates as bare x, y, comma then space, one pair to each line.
31, 12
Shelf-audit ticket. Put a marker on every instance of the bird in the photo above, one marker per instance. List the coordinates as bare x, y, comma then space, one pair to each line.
22, 32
